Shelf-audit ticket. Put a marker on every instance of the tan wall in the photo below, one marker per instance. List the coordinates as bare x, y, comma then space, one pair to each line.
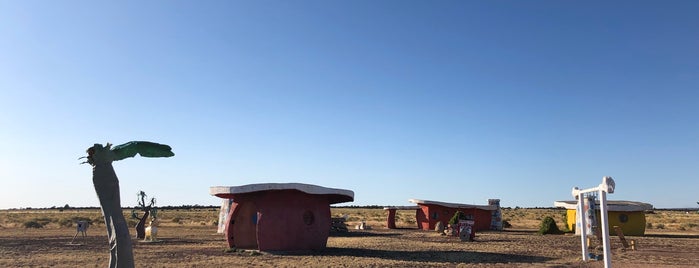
635, 221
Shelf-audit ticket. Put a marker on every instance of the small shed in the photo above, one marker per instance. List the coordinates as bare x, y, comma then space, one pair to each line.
486, 217
629, 215
279, 216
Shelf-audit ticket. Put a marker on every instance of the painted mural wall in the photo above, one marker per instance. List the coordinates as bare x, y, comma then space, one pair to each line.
632, 223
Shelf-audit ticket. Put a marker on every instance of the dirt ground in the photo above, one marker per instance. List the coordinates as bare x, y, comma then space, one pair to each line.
199, 246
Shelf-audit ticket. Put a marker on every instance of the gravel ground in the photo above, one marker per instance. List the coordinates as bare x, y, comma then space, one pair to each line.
197, 246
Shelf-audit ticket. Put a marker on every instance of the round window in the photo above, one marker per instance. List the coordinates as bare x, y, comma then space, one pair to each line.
308, 217
623, 218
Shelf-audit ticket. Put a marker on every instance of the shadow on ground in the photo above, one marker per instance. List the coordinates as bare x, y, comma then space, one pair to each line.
362, 234
672, 235
425, 256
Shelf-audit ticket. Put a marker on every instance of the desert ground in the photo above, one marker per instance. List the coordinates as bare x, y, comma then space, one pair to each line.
188, 238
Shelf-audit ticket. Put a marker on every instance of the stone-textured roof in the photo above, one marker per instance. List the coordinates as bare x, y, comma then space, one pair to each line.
452, 205
612, 205
335, 195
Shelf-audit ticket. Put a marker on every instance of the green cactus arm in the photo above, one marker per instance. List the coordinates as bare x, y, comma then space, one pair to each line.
143, 148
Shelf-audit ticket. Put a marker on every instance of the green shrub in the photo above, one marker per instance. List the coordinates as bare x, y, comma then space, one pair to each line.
548, 226
33, 224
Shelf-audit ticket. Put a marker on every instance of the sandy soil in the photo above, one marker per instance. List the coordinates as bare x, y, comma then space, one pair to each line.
199, 246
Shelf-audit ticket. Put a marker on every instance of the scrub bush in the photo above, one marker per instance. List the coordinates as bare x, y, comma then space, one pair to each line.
548, 226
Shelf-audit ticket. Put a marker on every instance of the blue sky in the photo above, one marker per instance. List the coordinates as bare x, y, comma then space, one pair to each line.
456, 101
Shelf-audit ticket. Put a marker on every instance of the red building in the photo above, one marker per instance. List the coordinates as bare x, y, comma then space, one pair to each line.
431, 212
279, 216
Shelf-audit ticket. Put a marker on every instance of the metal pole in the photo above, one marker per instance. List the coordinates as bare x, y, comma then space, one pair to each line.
605, 228
583, 226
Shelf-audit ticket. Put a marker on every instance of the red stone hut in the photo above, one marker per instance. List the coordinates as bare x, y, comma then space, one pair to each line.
279, 216
486, 217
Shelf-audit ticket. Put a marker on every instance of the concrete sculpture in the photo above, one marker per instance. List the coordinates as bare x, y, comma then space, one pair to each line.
107, 188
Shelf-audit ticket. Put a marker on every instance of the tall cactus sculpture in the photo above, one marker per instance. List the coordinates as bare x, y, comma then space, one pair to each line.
107, 187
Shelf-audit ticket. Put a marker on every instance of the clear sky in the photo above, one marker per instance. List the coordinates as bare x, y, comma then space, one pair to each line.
454, 101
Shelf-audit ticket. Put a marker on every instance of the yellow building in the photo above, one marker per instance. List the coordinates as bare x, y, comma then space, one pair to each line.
628, 215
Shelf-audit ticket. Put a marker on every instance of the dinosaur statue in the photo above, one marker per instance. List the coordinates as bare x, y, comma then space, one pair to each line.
107, 187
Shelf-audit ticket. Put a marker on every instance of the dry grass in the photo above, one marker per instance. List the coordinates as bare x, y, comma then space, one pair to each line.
189, 239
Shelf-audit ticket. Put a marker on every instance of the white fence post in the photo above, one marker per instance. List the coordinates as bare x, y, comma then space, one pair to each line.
607, 186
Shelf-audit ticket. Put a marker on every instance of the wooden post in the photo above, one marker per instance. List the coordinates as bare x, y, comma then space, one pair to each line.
620, 234
391, 221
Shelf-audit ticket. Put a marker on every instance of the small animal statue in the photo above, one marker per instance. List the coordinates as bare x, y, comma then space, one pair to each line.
152, 231
439, 228
81, 229
362, 226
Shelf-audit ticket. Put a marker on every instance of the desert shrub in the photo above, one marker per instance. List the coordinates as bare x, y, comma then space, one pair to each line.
649, 225
230, 250
97, 220
506, 224
33, 224
548, 226
353, 218
65, 222
565, 229
68, 222
410, 220
686, 226
660, 226
37, 222
45, 220
177, 220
